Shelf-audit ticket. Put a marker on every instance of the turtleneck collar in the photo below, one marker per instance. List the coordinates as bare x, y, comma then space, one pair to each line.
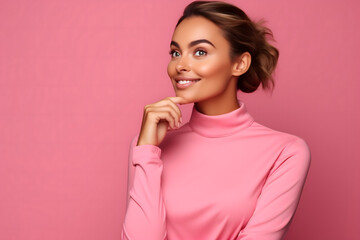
220, 125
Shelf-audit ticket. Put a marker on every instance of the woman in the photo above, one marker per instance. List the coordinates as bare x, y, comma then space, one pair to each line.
221, 175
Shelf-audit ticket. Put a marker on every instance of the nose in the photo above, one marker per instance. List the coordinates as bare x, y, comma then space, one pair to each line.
182, 65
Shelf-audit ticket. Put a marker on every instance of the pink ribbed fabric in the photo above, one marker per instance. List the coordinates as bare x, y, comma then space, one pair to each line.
216, 177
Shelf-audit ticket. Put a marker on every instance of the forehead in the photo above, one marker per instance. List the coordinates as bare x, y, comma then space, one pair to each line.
197, 27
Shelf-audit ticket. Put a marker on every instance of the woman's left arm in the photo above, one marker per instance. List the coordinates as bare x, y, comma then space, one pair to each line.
280, 195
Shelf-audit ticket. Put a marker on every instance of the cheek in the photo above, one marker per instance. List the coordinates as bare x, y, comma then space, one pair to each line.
212, 68
170, 70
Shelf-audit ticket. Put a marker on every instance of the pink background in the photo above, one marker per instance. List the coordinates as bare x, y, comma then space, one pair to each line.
75, 75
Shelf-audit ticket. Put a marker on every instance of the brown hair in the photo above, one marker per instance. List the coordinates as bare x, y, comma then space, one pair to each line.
243, 35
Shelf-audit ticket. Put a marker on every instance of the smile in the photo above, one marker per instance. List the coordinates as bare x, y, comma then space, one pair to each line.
184, 83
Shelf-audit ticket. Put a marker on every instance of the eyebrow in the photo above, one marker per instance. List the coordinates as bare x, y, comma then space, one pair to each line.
193, 43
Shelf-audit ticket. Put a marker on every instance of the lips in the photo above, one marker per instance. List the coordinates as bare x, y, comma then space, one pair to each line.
184, 82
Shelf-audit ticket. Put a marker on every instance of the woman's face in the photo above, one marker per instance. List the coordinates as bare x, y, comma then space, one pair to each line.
200, 54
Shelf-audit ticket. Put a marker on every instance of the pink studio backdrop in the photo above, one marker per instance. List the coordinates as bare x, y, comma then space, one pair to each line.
75, 75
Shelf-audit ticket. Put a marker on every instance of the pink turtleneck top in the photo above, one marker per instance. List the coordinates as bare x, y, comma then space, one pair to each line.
216, 177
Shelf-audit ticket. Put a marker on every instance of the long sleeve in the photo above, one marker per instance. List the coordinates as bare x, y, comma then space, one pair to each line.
145, 216
280, 195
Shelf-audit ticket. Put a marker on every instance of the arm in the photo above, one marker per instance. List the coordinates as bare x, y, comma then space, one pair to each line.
280, 195
145, 216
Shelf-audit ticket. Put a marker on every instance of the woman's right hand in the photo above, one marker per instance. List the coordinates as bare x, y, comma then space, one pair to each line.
158, 118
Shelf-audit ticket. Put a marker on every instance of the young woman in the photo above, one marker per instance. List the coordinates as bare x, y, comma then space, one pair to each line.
221, 175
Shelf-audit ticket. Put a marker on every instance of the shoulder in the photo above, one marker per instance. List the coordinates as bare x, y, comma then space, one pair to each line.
294, 151
280, 137
297, 145
288, 145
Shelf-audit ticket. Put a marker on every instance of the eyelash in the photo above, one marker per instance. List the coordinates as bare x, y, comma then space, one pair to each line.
171, 52
201, 50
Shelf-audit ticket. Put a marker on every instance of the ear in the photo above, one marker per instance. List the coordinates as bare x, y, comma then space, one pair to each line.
241, 64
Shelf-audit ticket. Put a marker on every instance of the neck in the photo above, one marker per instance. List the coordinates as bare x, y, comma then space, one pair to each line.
220, 125
214, 107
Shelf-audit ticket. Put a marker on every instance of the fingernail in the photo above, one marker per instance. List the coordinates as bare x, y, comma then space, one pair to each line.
181, 119
178, 124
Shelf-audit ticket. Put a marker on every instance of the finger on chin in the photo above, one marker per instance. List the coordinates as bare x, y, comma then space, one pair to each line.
180, 100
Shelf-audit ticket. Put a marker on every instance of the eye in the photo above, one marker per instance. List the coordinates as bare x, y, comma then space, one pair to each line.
200, 52
174, 53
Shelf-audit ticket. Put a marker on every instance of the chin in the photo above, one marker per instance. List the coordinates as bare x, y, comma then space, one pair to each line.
184, 95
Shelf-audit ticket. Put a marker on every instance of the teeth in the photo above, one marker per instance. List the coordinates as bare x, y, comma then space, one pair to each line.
185, 81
